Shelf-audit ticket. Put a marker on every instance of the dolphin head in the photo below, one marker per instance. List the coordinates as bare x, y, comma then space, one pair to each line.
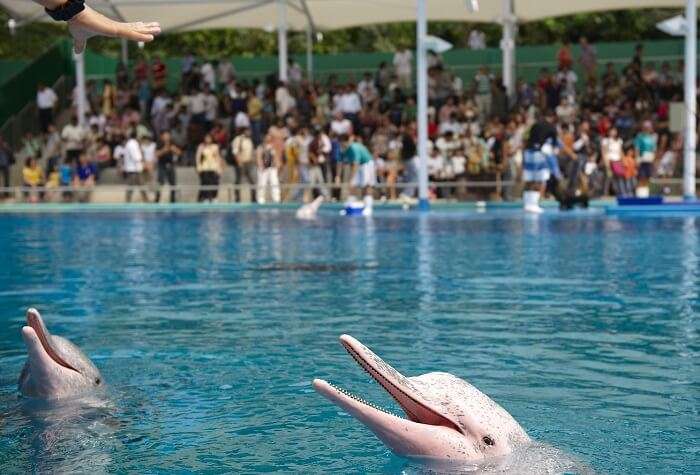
55, 367
446, 417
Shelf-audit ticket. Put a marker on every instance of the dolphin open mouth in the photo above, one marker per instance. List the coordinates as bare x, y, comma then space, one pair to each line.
400, 388
35, 322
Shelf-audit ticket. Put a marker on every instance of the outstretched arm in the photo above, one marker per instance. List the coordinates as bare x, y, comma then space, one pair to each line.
89, 23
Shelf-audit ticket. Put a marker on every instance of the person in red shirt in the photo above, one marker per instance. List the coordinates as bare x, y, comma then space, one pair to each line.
564, 56
141, 71
159, 72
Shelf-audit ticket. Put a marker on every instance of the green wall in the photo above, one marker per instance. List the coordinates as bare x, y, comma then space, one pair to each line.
530, 59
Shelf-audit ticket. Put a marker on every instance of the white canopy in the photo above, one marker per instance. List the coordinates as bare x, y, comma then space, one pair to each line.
325, 14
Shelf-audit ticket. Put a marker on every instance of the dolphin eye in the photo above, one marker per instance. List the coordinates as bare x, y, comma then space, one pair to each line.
488, 440
98, 381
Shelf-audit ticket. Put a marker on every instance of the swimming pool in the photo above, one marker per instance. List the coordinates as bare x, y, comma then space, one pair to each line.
210, 326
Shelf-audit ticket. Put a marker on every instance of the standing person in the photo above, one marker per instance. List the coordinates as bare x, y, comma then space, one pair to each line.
300, 148
109, 98
243, 150
73, 136
588, 59
536, 158
268, 166
476, 40
319, 155
645, 144
46, 100
148, 146
209, 165
403, 65
564, 57
166, 154
6, 160
364, 174
132, 167
612, 152
159, 72
482, 92
277, 135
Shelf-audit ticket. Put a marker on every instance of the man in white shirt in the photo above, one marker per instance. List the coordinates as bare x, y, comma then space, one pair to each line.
46, 100
197, 106
73, 136
209, 75
283, 100
367, 89
226, 71
245, 162
403, 64
132, 166
477, 40
340, 125
211, 107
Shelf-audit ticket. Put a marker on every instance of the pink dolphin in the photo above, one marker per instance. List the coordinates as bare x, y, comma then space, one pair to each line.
55, 367
446, 417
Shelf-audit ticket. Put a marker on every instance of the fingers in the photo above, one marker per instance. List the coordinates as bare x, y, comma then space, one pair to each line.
139, 31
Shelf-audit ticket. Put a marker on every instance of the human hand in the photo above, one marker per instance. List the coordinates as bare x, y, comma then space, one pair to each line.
89, 23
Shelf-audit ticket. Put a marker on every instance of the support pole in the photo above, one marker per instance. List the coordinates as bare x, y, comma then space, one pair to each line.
689, 160
422, 89
282, 39
80, 84
309, 53
125, 52
508, 47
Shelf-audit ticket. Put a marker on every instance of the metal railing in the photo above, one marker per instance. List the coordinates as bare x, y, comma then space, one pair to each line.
460, 191
26, 120
232, 193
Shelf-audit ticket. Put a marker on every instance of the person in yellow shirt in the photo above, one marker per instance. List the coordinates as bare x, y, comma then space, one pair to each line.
33, 179
210, 166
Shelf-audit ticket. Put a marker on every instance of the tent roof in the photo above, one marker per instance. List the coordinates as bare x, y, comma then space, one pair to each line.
179, 15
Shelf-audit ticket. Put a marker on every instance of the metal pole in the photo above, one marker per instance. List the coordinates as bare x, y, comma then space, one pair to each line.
422, 89
125, 52
690, 100
309, 53
80, 84
508, 47
282, 38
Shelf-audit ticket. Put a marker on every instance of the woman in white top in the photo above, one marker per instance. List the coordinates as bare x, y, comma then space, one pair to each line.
210, 166
611, 152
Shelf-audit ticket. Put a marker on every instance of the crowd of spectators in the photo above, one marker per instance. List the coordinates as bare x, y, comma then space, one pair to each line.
612, 128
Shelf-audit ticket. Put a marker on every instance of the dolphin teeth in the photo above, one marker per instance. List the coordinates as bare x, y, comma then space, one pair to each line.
362, 400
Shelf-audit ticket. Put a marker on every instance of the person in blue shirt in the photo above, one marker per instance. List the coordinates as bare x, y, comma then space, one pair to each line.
645, 144
84, 177
363, 171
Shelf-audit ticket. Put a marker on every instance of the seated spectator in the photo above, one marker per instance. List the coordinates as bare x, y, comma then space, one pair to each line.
32, 180
84, 178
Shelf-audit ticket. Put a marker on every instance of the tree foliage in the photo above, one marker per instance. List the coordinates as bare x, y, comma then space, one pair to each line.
625, 25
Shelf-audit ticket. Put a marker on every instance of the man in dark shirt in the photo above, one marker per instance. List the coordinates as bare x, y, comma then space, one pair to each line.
167, 154
6, 160
537, 166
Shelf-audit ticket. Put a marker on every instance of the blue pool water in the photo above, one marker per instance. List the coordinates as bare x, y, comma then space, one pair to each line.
584, 327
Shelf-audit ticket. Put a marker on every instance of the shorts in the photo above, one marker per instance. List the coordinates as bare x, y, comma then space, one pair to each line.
646, 169
366, 175
536, 166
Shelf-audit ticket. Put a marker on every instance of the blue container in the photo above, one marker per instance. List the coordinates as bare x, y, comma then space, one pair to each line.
652, 200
